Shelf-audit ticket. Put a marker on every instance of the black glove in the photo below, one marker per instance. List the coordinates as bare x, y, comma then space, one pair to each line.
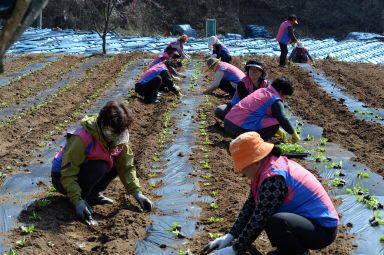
146, 203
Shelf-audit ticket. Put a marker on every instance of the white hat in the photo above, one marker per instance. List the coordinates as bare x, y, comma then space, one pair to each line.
212, 40
300, 45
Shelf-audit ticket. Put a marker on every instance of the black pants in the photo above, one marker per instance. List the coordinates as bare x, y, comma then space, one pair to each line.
93, 178
283, 54
294, 234
149, 89
227, 87
222, 110
234, 131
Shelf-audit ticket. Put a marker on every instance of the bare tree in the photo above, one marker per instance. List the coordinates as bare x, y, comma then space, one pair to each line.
105, 15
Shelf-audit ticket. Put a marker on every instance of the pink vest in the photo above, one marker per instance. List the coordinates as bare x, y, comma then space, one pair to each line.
283, 35
231, 73
160, 58
250, 88
152, 72
177, 42
254, 112
94, 150
306, 196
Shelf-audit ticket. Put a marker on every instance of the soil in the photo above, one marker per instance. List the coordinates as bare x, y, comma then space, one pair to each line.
122, 223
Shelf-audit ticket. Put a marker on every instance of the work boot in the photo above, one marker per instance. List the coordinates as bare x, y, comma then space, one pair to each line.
99, 199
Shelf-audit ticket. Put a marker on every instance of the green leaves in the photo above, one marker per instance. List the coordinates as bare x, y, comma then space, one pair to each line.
27, 230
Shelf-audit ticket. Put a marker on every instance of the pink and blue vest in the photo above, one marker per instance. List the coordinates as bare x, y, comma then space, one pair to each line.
305, 197
254, 112
94, 150
224, 50
283, 35
160, 58
152, 72
231, 73
177, 42
250, 88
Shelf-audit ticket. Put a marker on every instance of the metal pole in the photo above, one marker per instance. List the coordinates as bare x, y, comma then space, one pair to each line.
40, 20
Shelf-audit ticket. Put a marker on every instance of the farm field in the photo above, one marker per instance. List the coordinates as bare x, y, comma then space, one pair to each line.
44, 96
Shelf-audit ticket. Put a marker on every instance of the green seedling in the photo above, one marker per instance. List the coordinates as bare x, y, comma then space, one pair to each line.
337, 182
2, 175
186, 252
156, 159
48, 195
175, 229
320, 149
310, 138
43, 202
51, 188
322, 141
144, 211
10, 252
50, 244
206, 140
357, 190
206, 165
362, 175
9, 167
206, 156
335, 165
21, 242
214, 193
214, 235
152, 175
214, 205
27, 230
41, 144
34, 216
153, 167
213, 219
319, 157
153, 185
206, 176
289, 147
207, 184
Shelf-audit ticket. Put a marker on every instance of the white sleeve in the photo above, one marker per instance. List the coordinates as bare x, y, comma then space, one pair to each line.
216, 82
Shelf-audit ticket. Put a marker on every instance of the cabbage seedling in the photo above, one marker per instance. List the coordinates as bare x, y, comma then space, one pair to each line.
43, 202
213, 219
214, 193
28, 230
186, 252
152, 175
214, 235
11, 252
322, 141
362, 175
21, 242
214, 205
34, 216
206, 176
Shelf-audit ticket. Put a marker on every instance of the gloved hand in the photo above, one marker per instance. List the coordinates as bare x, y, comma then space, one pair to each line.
295, 137
221, 242
214, 55
145, 203
83, 210
282, 135
226, 251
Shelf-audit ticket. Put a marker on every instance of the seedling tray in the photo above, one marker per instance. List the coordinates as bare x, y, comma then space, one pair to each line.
296, 154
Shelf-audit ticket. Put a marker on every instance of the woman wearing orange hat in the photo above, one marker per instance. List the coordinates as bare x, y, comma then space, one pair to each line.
178, 44
285, 200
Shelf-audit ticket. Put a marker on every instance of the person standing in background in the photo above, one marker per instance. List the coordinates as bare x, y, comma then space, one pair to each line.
285, 36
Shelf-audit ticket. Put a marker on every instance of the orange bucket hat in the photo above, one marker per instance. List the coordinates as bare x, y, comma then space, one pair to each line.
247, 149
